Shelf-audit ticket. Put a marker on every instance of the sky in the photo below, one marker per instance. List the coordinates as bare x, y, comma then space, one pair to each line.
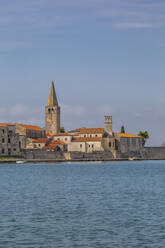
106, 57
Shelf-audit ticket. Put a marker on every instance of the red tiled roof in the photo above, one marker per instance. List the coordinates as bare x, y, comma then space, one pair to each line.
76, 130
54, 144
87, 139
66, 134
58, 142
89, 130
40, 140
6, 124
50, 147
30, 127
49, 134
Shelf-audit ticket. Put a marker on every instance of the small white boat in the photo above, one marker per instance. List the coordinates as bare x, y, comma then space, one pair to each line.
20, 161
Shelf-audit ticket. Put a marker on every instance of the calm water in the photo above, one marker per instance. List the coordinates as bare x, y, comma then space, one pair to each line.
83, 205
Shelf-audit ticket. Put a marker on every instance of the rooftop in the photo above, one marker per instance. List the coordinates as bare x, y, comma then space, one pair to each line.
39, 140
126, 135
88, 130
30, 127
87, 139
52, 145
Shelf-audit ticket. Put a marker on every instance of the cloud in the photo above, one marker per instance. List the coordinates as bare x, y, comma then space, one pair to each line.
41, 13
22, 114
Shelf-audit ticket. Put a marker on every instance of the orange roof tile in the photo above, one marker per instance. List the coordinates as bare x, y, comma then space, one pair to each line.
58, 142
76, 130
30, 127
126, 135
90, 130
6, 124
50, 147
54, 144
87, 139
66, 134
40, 140
23, 125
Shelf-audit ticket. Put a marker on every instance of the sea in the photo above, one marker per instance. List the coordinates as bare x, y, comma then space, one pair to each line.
83, 205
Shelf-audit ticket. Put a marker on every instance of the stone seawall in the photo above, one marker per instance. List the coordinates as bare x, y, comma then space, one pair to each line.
153, 153
39, 154
145, 153
31, 154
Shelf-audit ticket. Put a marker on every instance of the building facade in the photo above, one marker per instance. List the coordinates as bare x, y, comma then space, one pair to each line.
9, 141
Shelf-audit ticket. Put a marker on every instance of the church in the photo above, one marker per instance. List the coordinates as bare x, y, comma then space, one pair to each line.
17, 137
84, 139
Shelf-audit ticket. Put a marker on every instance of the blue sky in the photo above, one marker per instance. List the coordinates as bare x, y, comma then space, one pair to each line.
105, 56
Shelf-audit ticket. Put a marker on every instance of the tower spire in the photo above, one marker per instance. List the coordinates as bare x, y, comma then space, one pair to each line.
52, 112
52, 100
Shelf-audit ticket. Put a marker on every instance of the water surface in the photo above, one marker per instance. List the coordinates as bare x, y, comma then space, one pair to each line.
114, 204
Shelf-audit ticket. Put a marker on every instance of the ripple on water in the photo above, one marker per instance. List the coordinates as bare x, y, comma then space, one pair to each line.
83, 205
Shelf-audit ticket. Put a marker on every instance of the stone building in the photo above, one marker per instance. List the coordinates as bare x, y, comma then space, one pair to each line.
9, 140
90, 140
56, 145
126, 143
52, 113
86, 145
38, 143
25, 132
30, 131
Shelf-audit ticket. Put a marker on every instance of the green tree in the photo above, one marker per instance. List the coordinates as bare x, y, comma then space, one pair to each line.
144, 136
122, 129
62, 130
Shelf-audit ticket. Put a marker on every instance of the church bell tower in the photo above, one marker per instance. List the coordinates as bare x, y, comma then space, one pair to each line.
108, 124
52, 113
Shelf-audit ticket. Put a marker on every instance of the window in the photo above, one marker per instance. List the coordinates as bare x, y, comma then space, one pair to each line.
14, 149
9, 141
84, 136
109, 144
89, 146
3, 140
96, 135
65, 139
90, 136
39, 145
3, 150
3, 131
92, 145
80, 145
50, 110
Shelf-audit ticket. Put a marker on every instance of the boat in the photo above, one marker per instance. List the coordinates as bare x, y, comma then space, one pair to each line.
21, 161
131, 158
